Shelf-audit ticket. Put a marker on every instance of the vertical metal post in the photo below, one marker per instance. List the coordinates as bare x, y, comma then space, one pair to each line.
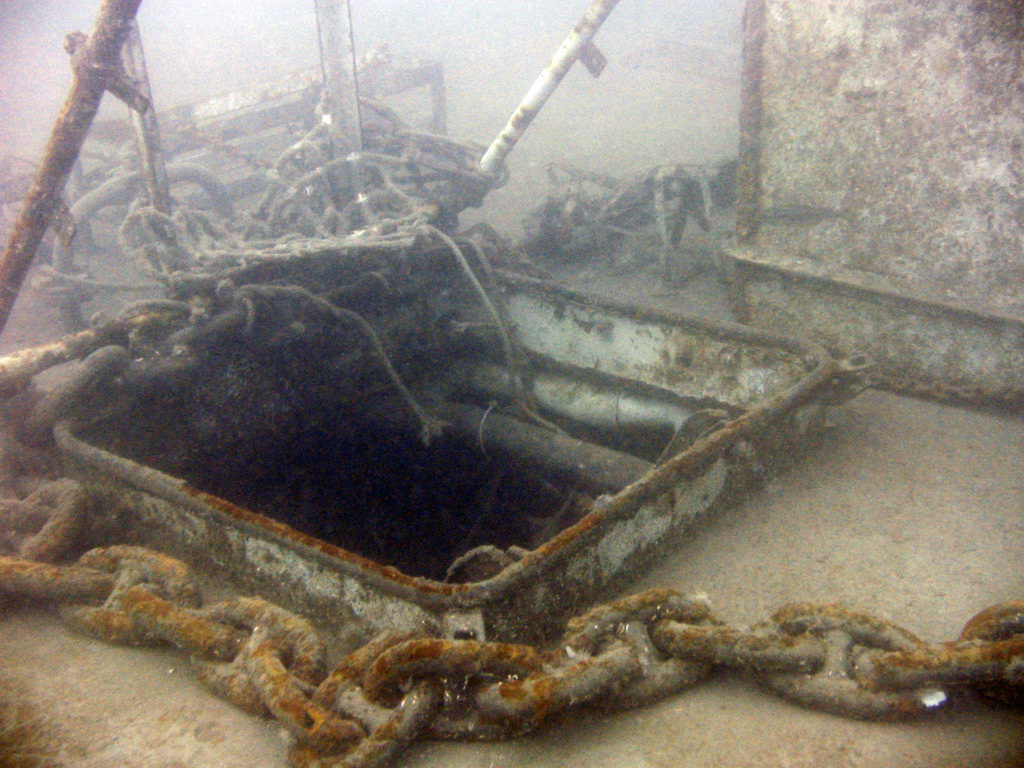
338, 60
439, 109
748, 169
144, 124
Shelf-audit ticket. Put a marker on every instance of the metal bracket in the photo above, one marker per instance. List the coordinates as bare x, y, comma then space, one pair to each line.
464, 625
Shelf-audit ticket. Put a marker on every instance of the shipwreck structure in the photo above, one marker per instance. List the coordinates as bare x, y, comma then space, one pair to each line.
402, 437
880, 200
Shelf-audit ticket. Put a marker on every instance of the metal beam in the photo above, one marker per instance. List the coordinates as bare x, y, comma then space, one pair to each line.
144, 125
96, 61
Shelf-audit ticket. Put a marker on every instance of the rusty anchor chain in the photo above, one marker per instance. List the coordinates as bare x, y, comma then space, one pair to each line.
43, 525
622, 654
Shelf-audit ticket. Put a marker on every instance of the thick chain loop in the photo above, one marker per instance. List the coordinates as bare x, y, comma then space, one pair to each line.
513, 707
131, 567
836, 686
759, 650
447, 659
281, 660
387, 741
31, 581
390, 730
629, 619
997, 622
989, 656
44, 525
1004, 621
163, 620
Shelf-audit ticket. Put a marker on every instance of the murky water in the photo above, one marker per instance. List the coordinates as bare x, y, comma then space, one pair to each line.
855, 522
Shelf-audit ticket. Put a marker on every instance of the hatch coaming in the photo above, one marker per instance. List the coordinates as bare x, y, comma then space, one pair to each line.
616, 536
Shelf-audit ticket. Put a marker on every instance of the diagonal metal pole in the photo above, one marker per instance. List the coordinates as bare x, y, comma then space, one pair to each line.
577, 45
96, 61
145, 126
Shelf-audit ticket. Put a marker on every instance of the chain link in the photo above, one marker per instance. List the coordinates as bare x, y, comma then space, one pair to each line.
626, 653
1004, 621
44, 525
836, 686
132, 568
29, 581
629, 619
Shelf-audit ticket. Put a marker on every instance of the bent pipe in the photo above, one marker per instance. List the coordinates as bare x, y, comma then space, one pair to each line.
123, 189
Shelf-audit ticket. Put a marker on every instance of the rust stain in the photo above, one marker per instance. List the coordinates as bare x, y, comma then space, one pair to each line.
447, 658
988, 624
197, 635
286, 532
31, 579
523, 117
964, 652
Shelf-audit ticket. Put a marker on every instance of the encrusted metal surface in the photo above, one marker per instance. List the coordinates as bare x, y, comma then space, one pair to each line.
890, 142
881, 151
95, 61
688, 356
577, 45
920, 346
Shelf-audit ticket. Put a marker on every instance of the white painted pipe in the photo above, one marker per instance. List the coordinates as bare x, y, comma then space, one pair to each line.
598, 406
545, 85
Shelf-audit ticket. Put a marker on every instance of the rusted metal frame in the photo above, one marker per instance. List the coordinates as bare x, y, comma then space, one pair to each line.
688, 464
231, 110
244, 110
421, 75
144, 125
97, 68
390, 581
433, 595
545, 84
743, 268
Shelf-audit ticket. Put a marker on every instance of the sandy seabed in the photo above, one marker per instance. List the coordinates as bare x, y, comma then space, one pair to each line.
905, 509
